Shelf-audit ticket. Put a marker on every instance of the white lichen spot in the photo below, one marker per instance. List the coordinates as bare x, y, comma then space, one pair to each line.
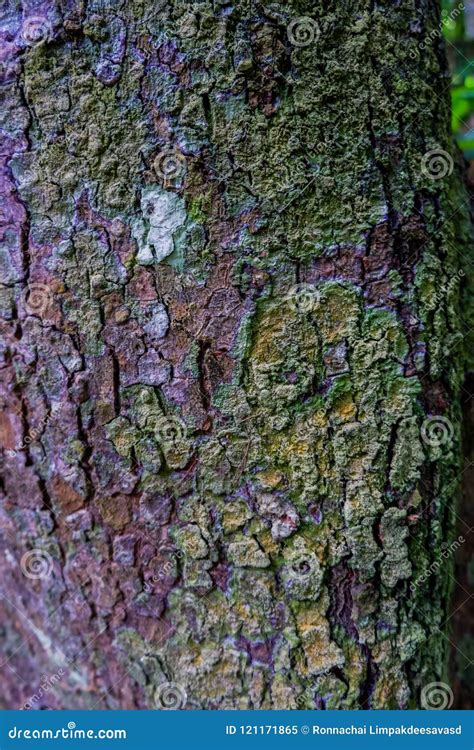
154, 320
163, 213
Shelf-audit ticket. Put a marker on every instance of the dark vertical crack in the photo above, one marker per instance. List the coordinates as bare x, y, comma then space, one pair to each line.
116, 383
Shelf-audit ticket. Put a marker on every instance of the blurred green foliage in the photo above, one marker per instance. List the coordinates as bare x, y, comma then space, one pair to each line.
457, 25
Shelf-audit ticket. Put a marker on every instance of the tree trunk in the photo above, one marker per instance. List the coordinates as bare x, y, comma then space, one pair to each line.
233, 268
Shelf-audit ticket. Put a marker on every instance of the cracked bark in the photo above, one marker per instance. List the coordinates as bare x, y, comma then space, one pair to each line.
231, 488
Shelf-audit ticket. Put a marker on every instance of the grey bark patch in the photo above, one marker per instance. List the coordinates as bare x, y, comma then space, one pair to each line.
162, 214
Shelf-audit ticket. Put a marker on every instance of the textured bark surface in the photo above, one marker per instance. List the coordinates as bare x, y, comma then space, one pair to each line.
233, 347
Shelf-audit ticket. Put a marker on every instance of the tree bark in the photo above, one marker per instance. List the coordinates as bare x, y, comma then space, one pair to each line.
235, 243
